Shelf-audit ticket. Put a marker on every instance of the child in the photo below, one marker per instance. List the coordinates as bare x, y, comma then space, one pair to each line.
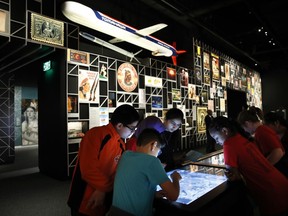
244, 161
138, 174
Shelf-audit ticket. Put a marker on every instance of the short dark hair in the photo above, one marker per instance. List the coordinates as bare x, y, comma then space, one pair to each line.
125, 114
273, 117
149, 135
174, 113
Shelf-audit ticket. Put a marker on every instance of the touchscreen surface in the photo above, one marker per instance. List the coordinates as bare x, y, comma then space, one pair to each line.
195, 184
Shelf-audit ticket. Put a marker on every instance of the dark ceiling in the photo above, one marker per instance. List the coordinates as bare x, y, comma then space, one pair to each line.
235, 24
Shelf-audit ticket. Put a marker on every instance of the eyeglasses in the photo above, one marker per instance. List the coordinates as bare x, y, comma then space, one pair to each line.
175, 124
131, 129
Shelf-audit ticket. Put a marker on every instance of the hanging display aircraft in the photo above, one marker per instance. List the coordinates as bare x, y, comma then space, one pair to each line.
96, 20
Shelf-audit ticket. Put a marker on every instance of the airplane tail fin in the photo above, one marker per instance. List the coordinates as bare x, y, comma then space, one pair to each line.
174, 58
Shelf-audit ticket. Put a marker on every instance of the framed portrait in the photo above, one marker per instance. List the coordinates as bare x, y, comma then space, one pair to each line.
201, 113
4, 21
127, 77
47, 30
184, 77
77, 129
78, 56
157, 102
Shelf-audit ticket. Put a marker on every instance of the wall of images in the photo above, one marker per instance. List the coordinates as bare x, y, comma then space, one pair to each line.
97, 84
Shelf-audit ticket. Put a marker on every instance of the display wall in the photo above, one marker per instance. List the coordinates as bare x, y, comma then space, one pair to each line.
97, 84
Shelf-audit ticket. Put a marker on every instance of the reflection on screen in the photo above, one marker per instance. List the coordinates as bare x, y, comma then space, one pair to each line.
195, 184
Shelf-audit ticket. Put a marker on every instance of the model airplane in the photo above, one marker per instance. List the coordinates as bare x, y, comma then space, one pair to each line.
110, 46
96, 20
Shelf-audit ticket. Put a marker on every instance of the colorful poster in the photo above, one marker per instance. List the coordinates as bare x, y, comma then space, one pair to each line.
88, 86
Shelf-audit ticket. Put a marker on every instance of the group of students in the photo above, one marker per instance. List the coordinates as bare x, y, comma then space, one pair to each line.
112, 177
254, 154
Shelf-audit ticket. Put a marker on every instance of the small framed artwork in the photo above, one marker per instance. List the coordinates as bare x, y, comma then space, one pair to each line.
77, 129
184, 77
4, 21
171, 73
206, 61
176, 95
47, 30
78, 56
103, 73
215, 67
201, 113
72, 105
157, 102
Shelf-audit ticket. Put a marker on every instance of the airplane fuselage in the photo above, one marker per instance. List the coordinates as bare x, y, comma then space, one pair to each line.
96, 20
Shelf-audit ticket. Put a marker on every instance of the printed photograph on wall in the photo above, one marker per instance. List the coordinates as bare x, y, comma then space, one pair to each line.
171, 73
207, 79
176, 95
127, 77
206, 61
88, 86
227, 71
215, 67
4, 21
184, 77
198, 76
72, 105
201, 113
77, 129
157, 102
47, 30
29, 109
78, 56
192, 91
103, 73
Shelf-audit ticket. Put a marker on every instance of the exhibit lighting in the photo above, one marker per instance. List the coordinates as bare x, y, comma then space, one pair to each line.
47, 65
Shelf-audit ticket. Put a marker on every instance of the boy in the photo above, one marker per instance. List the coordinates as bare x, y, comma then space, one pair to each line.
99, 153
139, 173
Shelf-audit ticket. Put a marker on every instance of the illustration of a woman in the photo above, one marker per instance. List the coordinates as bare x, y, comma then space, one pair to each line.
84, 88
30, 127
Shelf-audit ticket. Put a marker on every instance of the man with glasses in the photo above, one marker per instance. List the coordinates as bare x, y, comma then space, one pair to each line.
98, 156
169, 130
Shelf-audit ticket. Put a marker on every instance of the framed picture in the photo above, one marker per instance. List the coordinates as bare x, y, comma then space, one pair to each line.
171, 73
72, 105
215, 67
206, 61
201, 113
176, 95
157, 102
4, 21
127, 77
77, 129
78, 56
184, 77
88, 86
47, 30
103, 73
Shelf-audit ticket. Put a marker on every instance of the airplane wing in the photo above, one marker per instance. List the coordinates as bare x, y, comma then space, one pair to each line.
146, 31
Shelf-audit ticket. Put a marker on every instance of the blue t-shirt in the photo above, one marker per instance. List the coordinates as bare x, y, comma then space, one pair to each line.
135, 183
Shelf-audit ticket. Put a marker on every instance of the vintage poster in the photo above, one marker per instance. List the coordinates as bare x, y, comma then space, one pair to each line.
78, 57
47, 30
171, 73
206, 61
127, 77
88, 83
201, 113
29, 121
215, 67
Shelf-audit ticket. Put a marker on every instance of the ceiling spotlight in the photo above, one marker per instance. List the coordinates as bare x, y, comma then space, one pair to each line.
259, 30
266, 33
256, 64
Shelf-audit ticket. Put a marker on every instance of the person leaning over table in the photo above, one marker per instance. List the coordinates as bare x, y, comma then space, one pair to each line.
244, 162
138, 175
265, 138
169, 132
100, 150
